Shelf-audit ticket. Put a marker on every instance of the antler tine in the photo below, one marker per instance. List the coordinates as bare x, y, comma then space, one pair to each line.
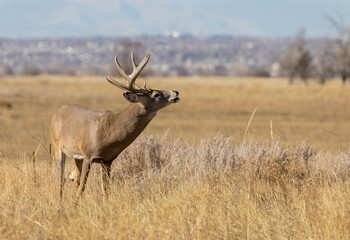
117, 84
130, 86
120, 69
134, 66
137, 68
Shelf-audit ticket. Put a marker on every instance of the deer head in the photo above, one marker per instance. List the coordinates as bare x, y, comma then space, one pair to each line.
152, 99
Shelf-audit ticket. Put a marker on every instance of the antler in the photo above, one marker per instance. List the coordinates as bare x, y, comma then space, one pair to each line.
130, 85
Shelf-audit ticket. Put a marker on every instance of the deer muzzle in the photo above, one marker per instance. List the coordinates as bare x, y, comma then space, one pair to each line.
174, 98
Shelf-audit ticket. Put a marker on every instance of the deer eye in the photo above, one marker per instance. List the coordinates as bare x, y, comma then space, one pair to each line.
157, 95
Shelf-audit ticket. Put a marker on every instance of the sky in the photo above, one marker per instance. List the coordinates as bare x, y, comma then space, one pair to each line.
91, 18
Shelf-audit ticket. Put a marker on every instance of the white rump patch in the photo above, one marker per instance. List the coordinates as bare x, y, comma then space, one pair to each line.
76, 156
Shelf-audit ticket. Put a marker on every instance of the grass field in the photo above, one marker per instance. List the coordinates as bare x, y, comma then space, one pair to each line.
194, 183
208, 105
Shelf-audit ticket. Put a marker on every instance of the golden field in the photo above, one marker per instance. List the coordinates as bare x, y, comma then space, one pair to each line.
268, 183
208, 105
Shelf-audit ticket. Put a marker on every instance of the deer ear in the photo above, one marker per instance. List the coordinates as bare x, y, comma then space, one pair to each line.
131, 97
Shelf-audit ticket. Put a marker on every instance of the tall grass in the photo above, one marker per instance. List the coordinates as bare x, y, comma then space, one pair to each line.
169, 189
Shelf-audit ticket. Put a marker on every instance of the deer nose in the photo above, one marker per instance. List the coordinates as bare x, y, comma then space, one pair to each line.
176, 93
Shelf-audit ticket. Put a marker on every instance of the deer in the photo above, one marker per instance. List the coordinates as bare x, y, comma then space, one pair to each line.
95, 136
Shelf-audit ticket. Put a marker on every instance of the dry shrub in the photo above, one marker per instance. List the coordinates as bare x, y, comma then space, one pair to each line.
145, 154
150, 156
170, 189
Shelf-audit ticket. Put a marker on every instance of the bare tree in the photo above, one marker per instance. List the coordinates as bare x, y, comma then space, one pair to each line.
324, 67
8, 70
181, 71
220, 70
288, 66
341, 52
297, 61
303, 65
93, 71
201, 71
260, 72
342, 60
31, 70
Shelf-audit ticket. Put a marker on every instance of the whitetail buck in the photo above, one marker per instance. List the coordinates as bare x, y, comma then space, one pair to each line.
88, 135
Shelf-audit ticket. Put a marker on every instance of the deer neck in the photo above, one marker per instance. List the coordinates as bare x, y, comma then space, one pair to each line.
129, 123
139, 112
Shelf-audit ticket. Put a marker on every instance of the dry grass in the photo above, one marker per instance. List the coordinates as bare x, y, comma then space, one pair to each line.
193, 183
208, 105
167, 189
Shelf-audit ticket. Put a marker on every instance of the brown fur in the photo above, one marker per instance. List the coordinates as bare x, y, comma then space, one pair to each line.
100, 136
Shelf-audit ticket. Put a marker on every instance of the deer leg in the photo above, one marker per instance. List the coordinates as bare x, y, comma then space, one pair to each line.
61, 163
84, 175
105, 176
74, 176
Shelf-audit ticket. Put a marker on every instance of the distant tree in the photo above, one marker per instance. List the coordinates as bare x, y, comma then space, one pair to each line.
341, 52
289, 66
8, 71
297, 61
94, 71
260, 72
71, 72
324, 67
55, 70
220, 70
181, 71
303, 65
342, 60
200, 71
31, 70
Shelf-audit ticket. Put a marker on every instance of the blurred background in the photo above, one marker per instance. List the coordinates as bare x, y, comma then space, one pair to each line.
187, 38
